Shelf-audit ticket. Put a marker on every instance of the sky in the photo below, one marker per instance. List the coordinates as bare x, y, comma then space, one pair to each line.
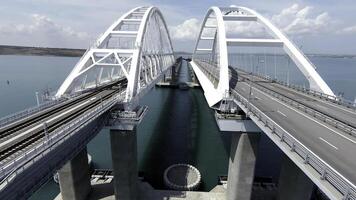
319, 26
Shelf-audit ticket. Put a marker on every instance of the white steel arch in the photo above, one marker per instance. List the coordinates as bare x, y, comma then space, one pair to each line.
220, 41
122, 53
220, 44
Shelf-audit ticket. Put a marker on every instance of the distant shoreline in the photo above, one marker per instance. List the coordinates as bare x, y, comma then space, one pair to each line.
40, 51
66, 52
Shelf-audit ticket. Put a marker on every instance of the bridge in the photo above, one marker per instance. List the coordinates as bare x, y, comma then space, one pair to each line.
314, 128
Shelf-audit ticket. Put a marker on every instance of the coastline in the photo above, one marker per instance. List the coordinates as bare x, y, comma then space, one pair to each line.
69, 52
40, 51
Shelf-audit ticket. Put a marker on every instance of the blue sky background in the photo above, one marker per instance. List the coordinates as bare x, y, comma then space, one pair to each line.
320, 26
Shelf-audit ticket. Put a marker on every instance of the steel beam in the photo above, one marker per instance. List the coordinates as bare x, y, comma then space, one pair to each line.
254, 42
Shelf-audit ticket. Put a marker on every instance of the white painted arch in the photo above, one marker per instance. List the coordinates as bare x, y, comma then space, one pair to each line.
280, 40
220, 36
146, 44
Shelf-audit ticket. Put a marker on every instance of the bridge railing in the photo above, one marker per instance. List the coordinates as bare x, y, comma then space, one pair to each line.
312, 112
210, 70
29, 111
333, 99
325, 171
9, 171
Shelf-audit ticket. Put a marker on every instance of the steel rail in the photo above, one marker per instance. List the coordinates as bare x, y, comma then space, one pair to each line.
26, 114
9, 171
29, 111
31, 120
37, 135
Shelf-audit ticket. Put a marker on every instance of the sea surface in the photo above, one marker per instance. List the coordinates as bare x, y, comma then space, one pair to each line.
179, 126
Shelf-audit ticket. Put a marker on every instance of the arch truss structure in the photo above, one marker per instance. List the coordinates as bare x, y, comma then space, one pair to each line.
215, 52
137, 47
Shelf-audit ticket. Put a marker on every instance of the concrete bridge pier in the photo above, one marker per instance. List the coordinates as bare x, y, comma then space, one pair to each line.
245, 137
123, 138
293, 183
124, 162
243, 155
74, 178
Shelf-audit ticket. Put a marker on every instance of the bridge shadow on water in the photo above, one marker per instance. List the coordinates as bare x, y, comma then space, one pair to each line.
185, 132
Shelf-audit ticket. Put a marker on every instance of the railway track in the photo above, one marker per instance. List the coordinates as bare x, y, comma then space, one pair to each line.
16, 126
33, 130
40, 132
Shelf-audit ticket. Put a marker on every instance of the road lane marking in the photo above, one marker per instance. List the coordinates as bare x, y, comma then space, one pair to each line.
333, 146
281, 113
304, 115
320, 106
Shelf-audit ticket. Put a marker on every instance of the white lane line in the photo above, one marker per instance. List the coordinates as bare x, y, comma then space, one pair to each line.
320, 106
256, 97
333, 146
281, 113
306, 116
9, 141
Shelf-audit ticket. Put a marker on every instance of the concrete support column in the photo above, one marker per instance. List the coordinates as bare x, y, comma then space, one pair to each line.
293, 183
242, 162
124, 161
74, 178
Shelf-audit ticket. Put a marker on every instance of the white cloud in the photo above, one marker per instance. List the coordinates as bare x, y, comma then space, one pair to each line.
348, 30
245, 29
295, 21
188, 30
44, 32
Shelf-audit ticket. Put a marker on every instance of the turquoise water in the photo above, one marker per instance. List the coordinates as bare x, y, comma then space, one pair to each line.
179, 126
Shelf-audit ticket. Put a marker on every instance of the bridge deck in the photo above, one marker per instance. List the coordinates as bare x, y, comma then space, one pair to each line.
332, 145
333, 110
20, 136
319, 132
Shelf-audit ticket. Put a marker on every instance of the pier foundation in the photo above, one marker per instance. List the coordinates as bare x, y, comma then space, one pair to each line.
124, 161
74, 178
293, 183
242, 162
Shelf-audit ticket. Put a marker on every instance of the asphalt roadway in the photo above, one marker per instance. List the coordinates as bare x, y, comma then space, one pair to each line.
332, 145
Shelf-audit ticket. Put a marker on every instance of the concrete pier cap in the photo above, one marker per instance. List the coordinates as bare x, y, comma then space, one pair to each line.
123, 138
245, 136
122, 118
231, 118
